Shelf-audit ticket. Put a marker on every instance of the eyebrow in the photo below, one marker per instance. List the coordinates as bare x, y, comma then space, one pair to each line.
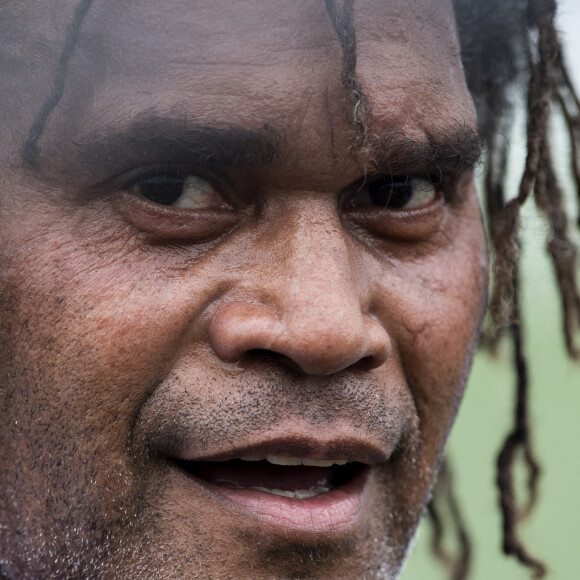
152, 139
447, 152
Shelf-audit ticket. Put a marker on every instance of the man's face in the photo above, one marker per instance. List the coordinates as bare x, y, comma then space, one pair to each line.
200, 269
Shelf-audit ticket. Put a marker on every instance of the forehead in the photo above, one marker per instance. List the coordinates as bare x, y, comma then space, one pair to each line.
252, 62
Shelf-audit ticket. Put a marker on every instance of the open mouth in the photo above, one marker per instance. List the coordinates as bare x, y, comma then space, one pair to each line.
290, 477
291, 487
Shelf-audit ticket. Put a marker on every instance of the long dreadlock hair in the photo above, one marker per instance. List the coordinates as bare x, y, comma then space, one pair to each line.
527, 56
506, 45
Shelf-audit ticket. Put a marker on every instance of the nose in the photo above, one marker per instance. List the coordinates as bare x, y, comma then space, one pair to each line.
309, 300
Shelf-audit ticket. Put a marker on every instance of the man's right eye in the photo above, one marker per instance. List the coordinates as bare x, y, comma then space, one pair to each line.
173, 205
187, 192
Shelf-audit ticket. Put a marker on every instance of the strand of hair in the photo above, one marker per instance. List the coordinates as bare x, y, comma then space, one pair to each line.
518, 439
29, 151
444, 499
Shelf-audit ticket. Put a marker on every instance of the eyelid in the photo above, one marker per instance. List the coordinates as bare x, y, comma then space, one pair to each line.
406, 225
171, 170
416, 224
443, 184
216, 178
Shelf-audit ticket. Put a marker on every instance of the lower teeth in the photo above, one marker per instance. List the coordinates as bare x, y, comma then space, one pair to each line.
298, 494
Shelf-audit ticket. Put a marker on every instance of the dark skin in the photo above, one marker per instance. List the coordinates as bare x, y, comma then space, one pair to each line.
274, 307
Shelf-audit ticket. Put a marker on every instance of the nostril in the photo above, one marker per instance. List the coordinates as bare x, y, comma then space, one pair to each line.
261, 353
270, 358
314, 343
367, 363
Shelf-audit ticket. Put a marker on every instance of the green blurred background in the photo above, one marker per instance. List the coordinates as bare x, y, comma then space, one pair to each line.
553, 531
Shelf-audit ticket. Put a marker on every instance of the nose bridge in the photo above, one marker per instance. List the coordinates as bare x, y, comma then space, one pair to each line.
321, 286
308, 296
321, 295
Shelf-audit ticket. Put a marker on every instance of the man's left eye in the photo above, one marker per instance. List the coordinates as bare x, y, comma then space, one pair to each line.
188, 192
395, 193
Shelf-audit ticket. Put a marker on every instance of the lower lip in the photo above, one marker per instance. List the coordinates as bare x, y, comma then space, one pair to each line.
335, 512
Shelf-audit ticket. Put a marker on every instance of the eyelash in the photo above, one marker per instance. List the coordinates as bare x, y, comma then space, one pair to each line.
172, 170
443, 185
191, 223
218, 179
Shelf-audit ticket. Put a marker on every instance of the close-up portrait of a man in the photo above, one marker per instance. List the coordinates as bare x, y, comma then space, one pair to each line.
244, 272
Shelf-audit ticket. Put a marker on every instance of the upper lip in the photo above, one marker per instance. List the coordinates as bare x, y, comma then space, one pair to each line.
349, 448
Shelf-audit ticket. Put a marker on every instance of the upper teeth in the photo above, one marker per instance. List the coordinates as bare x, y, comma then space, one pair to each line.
299, 493
284, 460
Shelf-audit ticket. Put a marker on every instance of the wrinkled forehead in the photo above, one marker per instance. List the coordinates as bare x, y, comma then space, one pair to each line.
212, 29
186, 55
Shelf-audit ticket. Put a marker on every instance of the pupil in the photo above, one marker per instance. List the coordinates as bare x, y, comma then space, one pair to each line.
162, 189
391, 192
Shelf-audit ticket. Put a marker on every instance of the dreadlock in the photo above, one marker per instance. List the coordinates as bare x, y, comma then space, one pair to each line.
445, 507
29, 151
527, 49
502, 43
342, 18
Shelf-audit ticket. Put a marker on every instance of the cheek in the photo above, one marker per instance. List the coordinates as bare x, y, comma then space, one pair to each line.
79, 323
441, 349
437, 305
